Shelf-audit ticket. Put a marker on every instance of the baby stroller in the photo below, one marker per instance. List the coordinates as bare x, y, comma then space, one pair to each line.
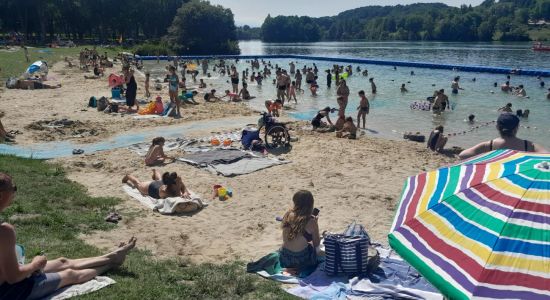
276, 133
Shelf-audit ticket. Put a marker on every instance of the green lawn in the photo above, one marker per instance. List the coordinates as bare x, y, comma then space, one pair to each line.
50, 212
540, 34
14, 63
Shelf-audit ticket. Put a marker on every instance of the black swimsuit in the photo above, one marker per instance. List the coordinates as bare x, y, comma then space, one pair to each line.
525, 145
154, 189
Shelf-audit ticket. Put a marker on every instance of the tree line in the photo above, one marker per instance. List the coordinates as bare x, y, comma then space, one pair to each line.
505, 20
100, 20
159, 26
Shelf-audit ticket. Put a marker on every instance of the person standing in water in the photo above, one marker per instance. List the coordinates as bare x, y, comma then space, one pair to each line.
372, 85
454, 85
298, 78
329, 79
362, 109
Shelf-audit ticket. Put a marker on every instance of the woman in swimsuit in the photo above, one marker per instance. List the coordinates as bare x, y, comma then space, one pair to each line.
173, 86
155, 155
42, 277
325, 113
170, 185
235, 80
507, 126
300, 234
343, 93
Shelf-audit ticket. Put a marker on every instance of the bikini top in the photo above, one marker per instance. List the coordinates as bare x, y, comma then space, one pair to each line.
525, 145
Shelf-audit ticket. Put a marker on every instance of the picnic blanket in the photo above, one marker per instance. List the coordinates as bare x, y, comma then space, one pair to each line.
214, 157
393, 279
173, 205
245, 166
81, 289
142, 148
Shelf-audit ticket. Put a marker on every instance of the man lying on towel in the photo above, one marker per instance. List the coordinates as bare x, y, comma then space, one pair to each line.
169, 185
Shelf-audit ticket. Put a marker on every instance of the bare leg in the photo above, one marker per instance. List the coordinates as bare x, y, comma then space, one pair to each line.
156, 174
70, 276
364, 119
116, 257
141, 186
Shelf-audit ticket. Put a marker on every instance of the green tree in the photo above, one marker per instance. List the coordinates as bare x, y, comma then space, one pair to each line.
202, 28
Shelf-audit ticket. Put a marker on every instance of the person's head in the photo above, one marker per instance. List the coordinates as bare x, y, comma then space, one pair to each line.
202, 80
343, 82
457, 78
293, 83
507, 125
439, 128
442, 91
361, 93
169, 178
526, 113
326, 109
296, 218
495, 84
147, 75
507, 83
521, 86
227, 92
509, 105
349, 119
7, 191
158, 141
172, 69
371, 79
519, 113
403, 85
212, 92
279, 101
471, 118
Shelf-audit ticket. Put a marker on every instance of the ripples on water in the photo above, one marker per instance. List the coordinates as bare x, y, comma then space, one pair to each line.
390, 111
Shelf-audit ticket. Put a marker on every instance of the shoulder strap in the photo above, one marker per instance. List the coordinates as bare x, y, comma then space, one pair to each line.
491, 145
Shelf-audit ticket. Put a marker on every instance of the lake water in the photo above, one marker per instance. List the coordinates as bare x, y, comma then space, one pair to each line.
390, 112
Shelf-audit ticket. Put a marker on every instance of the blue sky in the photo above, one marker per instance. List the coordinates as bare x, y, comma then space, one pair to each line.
253, 12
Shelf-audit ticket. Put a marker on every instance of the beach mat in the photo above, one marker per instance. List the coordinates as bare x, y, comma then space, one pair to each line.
81, 289
168, 206
142, 148
245, 166
214, 157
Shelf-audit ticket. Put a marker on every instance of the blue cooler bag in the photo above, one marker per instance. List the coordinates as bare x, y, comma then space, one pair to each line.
248, 135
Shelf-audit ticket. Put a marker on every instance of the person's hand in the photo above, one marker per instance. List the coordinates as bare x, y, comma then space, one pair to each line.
39, 262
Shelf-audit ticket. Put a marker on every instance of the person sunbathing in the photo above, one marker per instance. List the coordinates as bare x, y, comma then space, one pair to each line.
155, 155
348, 130
34, 85
300, 234
169, 185
41, 277
507, 126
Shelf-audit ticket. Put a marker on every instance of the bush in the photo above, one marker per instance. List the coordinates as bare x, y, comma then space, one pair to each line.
153, 49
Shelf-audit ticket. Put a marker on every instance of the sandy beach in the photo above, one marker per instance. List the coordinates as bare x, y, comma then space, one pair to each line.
350, 179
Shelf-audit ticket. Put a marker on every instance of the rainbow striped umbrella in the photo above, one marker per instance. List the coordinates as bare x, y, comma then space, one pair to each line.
480, 229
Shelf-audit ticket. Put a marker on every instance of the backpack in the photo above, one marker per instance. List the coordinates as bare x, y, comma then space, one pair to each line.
102, 104
92, 102
11, 82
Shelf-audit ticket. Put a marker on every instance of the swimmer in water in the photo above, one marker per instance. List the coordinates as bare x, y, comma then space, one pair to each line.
403, 88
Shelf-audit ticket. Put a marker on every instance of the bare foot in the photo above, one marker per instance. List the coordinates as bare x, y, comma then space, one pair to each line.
119, 255
125, 178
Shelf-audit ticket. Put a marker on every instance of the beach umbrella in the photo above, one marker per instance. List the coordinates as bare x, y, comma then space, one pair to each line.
115, 80
37, 66
480, 229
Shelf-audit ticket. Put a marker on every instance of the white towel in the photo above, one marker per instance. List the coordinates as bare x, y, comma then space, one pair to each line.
168, 206
81, 289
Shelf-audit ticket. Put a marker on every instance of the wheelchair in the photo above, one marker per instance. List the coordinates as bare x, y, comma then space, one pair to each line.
276, 133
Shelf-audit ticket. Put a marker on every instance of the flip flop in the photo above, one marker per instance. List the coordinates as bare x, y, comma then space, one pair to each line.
77, 151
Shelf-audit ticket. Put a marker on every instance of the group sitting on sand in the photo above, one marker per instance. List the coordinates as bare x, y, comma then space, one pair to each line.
42, 277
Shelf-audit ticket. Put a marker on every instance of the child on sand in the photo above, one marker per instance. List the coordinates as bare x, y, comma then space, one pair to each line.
363, 108
244, 93
155, 155
349, 130
273, 107
202, 84
232, 96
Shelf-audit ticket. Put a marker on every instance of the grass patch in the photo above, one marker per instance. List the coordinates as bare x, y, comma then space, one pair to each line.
13, 63
539, 34
49, 212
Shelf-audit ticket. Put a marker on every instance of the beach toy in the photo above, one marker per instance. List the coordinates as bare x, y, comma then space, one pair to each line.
215, 141
227, 142
215, 188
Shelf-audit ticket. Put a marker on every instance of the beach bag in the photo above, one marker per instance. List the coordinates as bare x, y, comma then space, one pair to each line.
102, 104
92, 102
346, 255
11, 82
